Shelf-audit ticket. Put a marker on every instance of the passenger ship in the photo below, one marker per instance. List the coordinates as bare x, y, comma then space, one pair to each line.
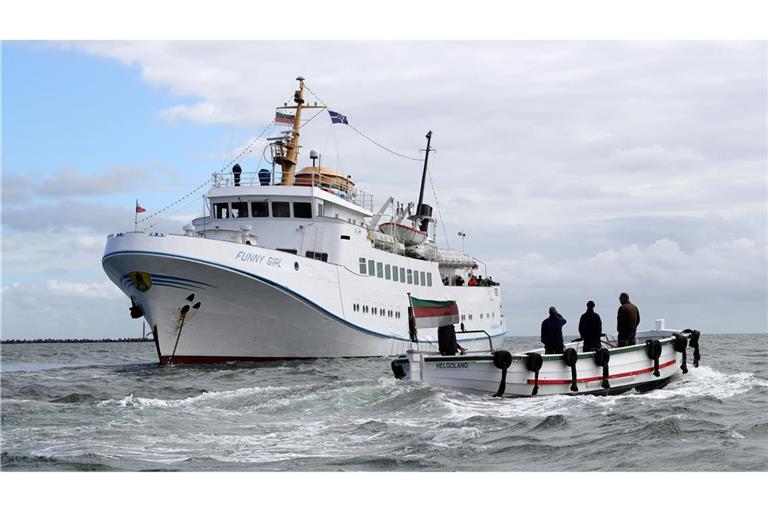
295, 267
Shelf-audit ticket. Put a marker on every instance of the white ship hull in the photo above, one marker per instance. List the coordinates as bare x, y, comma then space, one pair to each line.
257, 304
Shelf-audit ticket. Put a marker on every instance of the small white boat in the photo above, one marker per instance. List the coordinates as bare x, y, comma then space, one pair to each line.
657, 356
406, 234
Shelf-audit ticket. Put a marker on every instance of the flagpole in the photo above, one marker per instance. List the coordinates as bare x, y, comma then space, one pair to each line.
136, 216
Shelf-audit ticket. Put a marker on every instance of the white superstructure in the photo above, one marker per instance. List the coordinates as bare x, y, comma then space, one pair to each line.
297, 269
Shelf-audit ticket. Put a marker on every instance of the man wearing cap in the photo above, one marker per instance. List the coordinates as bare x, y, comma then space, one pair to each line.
552, 332
627, 321
590, 328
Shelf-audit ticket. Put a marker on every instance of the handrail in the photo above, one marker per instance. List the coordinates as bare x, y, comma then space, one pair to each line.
490, 342
329, 184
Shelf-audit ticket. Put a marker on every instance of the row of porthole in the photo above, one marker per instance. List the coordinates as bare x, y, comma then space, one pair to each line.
389, 313
482, 315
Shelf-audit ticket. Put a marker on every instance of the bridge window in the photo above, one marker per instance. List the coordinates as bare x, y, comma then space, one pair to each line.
289, 251
259, 209
239, 210
281, 209
362, 266
220, 210
302, 210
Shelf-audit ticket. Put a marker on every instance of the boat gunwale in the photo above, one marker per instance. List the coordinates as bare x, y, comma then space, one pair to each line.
547, 357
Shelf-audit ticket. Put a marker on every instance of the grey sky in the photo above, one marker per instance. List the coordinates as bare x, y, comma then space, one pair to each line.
578, 169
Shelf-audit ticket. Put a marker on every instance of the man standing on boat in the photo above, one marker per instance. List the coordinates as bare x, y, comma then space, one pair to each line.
552, 332
627, 321
590, 328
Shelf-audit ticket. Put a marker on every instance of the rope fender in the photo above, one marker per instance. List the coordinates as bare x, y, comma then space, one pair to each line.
653, 350
533, 363
570, 356
502, 360
602, 356
397, 369
694, 342
681, 343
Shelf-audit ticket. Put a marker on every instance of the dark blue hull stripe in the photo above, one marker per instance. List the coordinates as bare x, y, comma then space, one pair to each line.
285, 289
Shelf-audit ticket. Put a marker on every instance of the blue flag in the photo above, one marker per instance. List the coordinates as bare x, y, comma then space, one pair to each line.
337, 118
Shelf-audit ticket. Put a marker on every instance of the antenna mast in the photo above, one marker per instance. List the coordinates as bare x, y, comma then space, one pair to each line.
285, 152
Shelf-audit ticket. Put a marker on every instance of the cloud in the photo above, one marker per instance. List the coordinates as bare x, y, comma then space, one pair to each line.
65, 309
577, 168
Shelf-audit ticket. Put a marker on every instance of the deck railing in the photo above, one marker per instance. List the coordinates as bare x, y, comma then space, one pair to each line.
331, 184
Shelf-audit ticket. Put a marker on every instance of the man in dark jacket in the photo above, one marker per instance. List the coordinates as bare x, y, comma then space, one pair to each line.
627, 321
590, 328
552, 332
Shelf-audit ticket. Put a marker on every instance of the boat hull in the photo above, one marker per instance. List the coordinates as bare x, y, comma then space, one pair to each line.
205, 310
628, 368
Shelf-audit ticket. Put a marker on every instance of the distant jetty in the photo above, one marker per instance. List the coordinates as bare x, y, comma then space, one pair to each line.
78, 340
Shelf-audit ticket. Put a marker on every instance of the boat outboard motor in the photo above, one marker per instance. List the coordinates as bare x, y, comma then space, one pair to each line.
653, 349
533, 363
602, 356
502, 360
570, 356
236, 171
264, 177
681, 343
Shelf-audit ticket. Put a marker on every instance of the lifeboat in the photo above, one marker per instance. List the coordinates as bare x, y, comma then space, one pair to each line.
657, 357
405, 234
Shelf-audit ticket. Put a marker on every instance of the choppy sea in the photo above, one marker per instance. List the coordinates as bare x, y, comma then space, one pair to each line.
111, 407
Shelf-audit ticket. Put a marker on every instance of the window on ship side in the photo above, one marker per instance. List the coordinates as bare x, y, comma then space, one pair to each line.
388, 272
395, 274
429, 279
416, 277
423, 278
363, 267
259, 209
410, 276
402, 275
371, 268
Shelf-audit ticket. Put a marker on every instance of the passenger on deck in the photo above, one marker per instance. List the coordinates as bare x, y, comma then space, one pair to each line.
446, 341
445, 281
552, 332
590, 328
472, 281
627, 321
459, 280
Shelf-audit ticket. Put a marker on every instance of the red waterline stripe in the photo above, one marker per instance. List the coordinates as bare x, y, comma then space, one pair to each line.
615, 376
430, 311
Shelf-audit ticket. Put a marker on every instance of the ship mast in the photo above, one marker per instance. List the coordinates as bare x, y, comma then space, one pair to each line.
285, 152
